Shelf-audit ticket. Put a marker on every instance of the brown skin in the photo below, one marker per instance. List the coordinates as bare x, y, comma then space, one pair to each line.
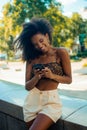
51, 80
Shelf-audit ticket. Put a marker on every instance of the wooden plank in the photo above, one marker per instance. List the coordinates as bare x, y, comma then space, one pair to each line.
3, 122
10, 123
11, 109
15, 124
73, 126
57, 126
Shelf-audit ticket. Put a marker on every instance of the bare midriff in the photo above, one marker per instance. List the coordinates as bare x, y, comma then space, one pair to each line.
47, 84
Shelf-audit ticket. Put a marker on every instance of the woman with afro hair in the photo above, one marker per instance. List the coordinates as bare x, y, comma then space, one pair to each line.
46, 67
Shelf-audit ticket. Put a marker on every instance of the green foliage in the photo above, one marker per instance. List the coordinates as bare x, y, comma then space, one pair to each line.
82, 54
57, 20
74, 58
76, 24
65, 29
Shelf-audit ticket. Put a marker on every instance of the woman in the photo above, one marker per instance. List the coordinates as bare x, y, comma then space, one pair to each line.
46, 67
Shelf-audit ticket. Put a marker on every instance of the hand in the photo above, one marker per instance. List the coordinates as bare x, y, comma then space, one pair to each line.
47, 73
38, 73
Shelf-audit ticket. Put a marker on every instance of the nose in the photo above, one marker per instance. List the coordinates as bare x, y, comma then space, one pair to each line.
40, 45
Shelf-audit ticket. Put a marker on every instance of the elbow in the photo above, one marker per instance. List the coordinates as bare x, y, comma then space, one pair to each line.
26, 87
69, 81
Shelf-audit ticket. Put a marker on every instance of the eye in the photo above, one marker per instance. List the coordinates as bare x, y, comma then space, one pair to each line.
41, 40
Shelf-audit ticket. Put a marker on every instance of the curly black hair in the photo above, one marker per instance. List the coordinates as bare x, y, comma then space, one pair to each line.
23, 42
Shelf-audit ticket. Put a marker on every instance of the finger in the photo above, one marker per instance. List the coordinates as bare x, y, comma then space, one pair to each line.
37, 70
40, 76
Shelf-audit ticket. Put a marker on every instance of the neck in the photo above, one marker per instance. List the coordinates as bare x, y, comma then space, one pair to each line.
49, 52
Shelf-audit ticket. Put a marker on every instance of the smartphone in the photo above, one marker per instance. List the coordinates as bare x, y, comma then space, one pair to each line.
38, 66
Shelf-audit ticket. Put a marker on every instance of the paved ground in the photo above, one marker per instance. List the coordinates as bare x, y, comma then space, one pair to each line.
15, 72
78, 87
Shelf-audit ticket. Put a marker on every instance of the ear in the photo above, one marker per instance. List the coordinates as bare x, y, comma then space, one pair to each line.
47, 36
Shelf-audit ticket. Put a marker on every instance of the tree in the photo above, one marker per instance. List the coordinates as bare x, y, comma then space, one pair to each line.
65, 29
2, 44
76, 24
15, 14
54, 15
13, 17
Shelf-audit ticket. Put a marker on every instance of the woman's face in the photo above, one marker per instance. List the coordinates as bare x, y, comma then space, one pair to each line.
41, 42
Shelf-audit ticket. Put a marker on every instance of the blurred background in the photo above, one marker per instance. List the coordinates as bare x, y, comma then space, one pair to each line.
69, 21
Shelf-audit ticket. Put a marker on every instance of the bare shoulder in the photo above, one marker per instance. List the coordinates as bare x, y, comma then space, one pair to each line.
62, 52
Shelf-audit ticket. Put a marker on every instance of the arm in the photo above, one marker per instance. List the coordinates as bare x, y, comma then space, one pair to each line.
65, 60
31, 82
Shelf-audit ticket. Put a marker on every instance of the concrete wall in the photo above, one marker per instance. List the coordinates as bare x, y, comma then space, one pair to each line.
11, 118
